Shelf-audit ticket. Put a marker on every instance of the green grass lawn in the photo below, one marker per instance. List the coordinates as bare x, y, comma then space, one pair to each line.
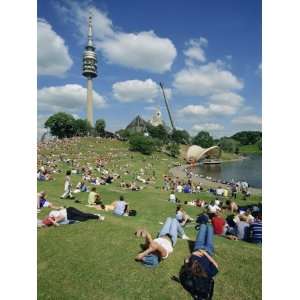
250, 149
95, 260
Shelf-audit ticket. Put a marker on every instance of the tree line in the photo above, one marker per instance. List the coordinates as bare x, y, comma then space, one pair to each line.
155, 138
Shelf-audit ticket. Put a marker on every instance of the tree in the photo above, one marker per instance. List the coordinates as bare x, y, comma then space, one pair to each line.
180, 137
143, 144
228, 145
259, 144
61, 125
100, 127
203, 139
173, 149
158, 132
247, 137
82, 127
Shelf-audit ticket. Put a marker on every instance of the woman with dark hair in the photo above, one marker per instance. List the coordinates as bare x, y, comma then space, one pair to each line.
199, 269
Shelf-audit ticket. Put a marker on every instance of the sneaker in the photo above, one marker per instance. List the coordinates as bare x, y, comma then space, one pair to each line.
185, 237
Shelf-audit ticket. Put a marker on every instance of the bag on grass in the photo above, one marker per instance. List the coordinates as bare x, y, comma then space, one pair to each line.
132, 213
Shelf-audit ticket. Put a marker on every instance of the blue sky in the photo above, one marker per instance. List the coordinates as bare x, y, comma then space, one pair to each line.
207, 54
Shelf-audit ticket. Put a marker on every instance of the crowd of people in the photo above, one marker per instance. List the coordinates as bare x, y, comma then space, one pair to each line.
219, 217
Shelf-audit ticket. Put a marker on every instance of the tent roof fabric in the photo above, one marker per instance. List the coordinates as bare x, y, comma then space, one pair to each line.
195, 153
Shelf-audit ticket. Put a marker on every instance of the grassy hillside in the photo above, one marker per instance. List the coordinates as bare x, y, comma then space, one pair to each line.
95, 260
250, 149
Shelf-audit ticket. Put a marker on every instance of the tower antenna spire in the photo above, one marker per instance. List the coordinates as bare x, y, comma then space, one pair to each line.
90, 31
89, 70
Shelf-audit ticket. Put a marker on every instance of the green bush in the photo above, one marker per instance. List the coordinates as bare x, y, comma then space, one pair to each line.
143, 144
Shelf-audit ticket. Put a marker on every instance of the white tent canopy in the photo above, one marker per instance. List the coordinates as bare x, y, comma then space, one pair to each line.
195, 153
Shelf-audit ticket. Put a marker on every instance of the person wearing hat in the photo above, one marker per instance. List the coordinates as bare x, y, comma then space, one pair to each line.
160, 248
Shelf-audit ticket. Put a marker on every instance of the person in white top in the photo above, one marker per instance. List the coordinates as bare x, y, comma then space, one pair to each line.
162, 246
172, 197
179, 188
213, 208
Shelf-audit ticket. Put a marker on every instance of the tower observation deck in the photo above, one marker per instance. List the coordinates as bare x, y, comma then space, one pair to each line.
89, 70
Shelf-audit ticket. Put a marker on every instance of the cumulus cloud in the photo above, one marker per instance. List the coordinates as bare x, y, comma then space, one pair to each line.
195, 51
207, 127
53, 57
227, 98
134, 90
70, 98
247, 120
142, 50
138, 90
207, 111
207, 79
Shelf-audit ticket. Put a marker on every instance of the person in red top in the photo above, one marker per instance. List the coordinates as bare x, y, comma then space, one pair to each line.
218, 223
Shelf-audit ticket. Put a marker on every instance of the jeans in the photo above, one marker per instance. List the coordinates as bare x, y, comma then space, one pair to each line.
171, 228
75, 214
204, 239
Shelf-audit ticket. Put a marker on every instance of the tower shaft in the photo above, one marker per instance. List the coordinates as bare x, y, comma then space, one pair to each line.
89, 103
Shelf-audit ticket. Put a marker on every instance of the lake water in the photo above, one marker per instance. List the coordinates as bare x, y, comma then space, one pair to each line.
247, 169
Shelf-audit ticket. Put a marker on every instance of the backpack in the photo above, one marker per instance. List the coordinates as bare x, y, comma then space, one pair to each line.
201, 288
132, 213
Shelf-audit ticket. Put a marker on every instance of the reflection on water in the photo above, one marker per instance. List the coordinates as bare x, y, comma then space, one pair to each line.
248, 170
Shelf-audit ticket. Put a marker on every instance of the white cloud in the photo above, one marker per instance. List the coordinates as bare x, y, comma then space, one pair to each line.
194, 51
53, 57
207, 79
142, 50
227, 98
135, 90
208, 127
248, 120
70, 98
207, 111
138, 90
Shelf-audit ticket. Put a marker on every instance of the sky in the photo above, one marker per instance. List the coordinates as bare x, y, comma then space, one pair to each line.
207, 54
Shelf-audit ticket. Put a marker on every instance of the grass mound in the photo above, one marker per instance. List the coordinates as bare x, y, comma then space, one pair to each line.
95, 260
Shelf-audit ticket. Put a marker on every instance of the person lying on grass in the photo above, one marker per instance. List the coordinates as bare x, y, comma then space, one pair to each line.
196, 275
162, 246
65, 215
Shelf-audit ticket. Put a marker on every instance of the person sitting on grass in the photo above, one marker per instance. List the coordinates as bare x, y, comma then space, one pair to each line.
218, 224
94, 198
65, 215
213, 208
81, 187
162, 246
255, 230
121, 207
198, 271
242, 228
181, 216
68, 187
172, 197
43, 202
232, 206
